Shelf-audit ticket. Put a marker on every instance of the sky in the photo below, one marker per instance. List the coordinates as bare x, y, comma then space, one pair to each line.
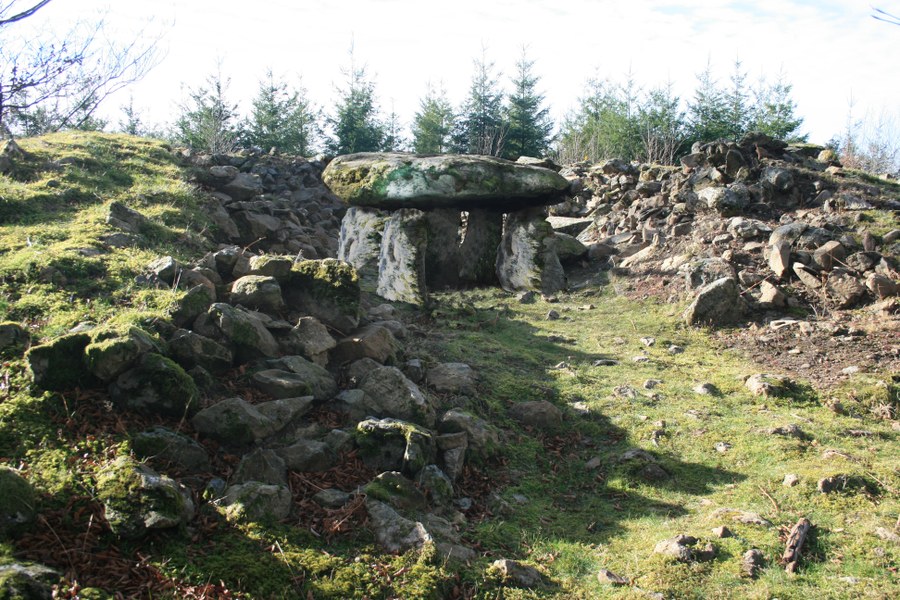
832, 51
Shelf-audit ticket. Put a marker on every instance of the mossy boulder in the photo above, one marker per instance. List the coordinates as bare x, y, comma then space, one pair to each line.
27, 581
482, 438
395, 445
234, 421
397, 397
292, 376
260, 292
256, 501
526, 258
111, 353
195, 302
17, 501
243, 329
13, 338
272, 265
394, 180
164, 446
395, 489
326, 289
156, 385
191, 350
59, 364
137, 499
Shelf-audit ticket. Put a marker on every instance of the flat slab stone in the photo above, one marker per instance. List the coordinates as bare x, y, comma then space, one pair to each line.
397, 180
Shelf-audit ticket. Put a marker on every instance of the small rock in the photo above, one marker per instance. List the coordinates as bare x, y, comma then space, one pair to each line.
538, 413
673, 349
331, 498
552, 315
608, 577
790, 480
887, 535
722, 447
751, 562
676, 547
648, 341
722, 532
706, 389
517, 573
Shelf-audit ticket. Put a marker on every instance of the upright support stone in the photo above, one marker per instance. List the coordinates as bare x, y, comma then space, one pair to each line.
401, 264
442, 250
478, 251
360, 243
526, 259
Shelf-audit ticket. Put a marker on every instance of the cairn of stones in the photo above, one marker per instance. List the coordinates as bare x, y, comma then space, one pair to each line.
421, 222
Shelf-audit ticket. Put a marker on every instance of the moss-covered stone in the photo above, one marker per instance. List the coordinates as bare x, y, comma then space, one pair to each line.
390, 180
136, 499
17, 502
111, 353
156, 385
395, 445
13, 338
26, 581
255, 501
326, 289
59, 364
395, 489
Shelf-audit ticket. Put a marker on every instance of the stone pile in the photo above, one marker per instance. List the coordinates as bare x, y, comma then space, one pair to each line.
295, 333
750, 224
431, 222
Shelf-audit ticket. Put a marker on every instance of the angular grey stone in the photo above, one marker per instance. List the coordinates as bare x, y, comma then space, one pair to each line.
280, 383
126, 219
256, 501
167, 446
233, 421
360, 243
191, 349
453, 378
780, 258
310, 338
398, 397
156, 385
844, 289
482, 438
259, 292
111, 354
537, 413
244, 329
393, 532
718, 303
401, 261
513, 572
244, 186
284, 410
17, 503
394, 445
308, 455
393, 488
829, 255
262, 465
526, 260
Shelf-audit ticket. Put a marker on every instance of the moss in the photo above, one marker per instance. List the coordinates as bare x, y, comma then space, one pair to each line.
17, 501
331, 281
59, 365
171, 382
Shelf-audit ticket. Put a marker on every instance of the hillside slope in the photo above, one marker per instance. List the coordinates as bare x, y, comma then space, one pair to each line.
197, 403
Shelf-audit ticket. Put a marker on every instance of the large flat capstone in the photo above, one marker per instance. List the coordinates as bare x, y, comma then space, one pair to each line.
397, 180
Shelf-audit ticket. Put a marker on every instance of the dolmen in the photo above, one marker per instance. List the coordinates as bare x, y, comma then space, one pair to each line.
420, 222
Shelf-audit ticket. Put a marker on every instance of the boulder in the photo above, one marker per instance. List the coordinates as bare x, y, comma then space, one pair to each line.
452, 378
881, 286
401, 262
372, 341
17, 502
127, 219
234, 421
243, 329
191, 349
320, 382
727, 201
780, 258
262, 465
718, 303
394, 445
310, 338
393, 180
156, 385
260, 292
844, 288
271, 265
244, 186
137, 499
393, 532
518, 574
27, 581
327, 289
308, 455
537, 413
393, 488
481, 437
396, 396
257, 501
59, 364
13, 338
526, 259
163, 446
111, 353
360, 243
768, 385
829, 255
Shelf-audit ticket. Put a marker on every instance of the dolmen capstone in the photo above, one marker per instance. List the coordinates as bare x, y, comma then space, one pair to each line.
420, 222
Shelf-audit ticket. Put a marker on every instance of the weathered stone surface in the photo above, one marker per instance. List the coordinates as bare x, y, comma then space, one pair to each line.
394, 445
195, 302
513, 572
360, 243
262, 465
526, 260
481, 436
244, 186
780, 258
127, 219
310, 338
327, 289
537, 413
111, 353
162, 445
881, 286
566, 247
308, 455
453, 378
393, 532
233, 421
17, 501
442, 258
59, 364
727, 201
321, 383
257, 501
242, 328
718, 303
372, 341
478, 250
458, 181
259, 292
398, 397
156, 385
13, 338
395, 489
768, 385
704, 271
748, 229
844, 289
677, 547
271, 265
26, 581
284, 410
137, 499
191, 349
401, 262
829, 255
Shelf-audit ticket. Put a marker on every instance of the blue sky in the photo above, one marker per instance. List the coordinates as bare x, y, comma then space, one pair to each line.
829, 50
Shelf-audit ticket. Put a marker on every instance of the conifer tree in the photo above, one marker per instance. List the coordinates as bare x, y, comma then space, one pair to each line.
529, 120
208, 119
433, 122
708, 112
355, 124
480, 128
774, 112
281, 118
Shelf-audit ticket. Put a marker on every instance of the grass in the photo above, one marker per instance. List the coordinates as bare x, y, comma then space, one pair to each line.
563, 501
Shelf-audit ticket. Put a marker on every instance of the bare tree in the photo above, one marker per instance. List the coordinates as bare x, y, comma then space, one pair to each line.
52, 83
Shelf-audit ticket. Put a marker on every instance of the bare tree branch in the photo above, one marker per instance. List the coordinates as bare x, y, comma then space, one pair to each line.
885, 16
22, 15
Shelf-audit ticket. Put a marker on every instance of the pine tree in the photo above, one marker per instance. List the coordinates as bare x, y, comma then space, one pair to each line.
708, 112
662, 125
774, 112
433, 123
207, 119
281, 118
393, 133
355, 124
131, 122
737, 117
480, 128
529, 120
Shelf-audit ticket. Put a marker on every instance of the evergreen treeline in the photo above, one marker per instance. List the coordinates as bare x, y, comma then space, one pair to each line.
505, 116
